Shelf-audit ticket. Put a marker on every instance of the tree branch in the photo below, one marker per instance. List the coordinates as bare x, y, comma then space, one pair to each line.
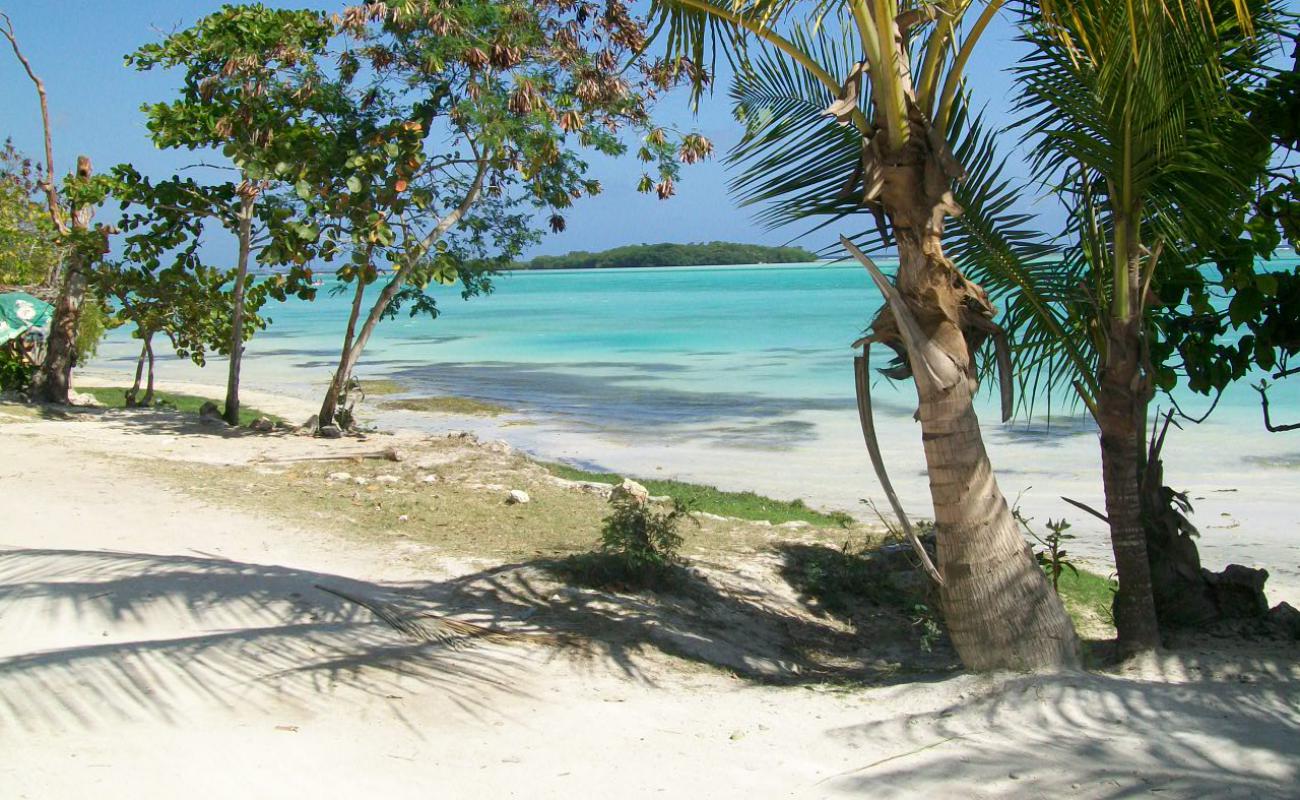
1262, 388
51, 196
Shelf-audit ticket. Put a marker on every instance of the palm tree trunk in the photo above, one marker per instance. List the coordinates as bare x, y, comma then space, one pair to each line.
246, 201
1121, 417
346, 361
999, 607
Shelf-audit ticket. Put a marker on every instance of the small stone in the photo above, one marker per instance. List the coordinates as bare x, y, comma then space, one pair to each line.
630, 490
262, 425
499, 446
360, 481
429, 479
329, 432
517, 497
403, 518
388, 479
340, 476
795, 523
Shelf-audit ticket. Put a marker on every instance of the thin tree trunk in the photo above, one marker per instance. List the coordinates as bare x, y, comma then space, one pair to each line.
148, 392
247, 198
351, 355
346, 362
134, 391
53, 382
1122, 430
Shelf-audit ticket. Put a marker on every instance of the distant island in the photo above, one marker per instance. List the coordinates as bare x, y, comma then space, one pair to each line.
673, 255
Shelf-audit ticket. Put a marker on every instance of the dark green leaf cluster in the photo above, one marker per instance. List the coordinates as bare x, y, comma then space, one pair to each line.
673, 255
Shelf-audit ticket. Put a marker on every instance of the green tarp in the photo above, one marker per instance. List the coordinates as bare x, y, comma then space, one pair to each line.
20, 312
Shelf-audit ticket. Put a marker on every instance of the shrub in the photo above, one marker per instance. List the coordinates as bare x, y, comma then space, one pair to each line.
646, 539
639, 548
15, 373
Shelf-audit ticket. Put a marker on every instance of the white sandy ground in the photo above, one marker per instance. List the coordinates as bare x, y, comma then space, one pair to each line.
152, 646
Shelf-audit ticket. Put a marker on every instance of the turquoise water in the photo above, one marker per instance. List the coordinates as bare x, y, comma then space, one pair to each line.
620, 350
614, 348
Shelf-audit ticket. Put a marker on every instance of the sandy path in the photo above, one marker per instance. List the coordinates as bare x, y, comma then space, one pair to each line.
151, 646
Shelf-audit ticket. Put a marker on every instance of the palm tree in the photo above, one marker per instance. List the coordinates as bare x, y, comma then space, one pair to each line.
1129, 105
888, 148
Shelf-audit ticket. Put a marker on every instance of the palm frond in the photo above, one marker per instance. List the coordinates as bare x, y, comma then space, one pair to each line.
1024, 271
793, 158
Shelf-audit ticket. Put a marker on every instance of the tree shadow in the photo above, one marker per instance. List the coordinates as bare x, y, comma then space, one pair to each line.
180, 629
184, 629
1174, 731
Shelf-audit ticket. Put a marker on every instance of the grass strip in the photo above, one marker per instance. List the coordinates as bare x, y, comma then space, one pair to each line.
742, 505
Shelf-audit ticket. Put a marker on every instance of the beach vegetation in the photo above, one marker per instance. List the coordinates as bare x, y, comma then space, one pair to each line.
640, 547
121, 397
15, 371
672, 255
859, 111
451, 137
79, 319
29, 249
711, 500
376, 387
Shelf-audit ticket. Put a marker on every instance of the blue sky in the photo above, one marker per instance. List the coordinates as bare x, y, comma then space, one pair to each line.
77, 47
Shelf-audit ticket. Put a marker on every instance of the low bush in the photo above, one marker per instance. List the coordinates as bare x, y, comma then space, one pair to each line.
639, 548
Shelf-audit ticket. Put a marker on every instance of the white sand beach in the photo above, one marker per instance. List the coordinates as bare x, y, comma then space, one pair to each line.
156, 645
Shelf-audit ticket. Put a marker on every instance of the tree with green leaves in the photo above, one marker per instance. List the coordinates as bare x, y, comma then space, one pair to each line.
29, 251
161, 285
857, 105
1133, 110
248, 72
451, 126
71, 209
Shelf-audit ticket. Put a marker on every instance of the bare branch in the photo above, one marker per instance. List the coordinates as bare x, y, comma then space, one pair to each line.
51, 196
1262, 388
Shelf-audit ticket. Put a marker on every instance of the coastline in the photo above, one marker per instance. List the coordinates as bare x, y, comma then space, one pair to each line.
1243, 519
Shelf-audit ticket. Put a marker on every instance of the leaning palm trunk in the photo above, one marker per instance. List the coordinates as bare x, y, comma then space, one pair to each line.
1000, 609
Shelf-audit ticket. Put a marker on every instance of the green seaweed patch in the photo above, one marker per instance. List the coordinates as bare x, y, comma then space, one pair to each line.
742, 505
376, 387
446, 404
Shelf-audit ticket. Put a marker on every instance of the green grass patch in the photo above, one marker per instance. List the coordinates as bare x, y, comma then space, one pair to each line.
115, 397
742, 505
1087, 597
446, 404
376, 387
